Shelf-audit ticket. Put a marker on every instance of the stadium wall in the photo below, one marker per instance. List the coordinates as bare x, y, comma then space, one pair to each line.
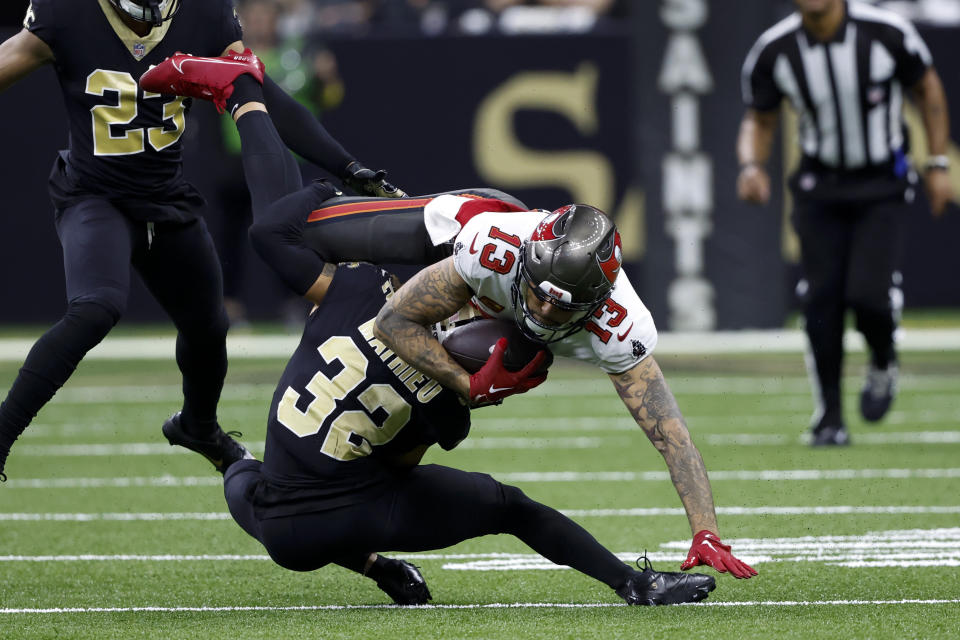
640, 121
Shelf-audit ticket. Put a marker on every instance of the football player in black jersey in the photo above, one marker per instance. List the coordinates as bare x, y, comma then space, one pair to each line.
350, 420
121, 200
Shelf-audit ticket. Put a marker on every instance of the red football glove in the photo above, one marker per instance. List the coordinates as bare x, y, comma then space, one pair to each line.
707, 549
494, 383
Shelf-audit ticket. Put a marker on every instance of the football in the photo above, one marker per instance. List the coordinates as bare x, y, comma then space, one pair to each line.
471, 344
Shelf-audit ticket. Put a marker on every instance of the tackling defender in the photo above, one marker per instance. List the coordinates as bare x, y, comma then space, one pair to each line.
553, 273
350, 420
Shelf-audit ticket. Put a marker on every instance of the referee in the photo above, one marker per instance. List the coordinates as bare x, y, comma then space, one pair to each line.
844, 66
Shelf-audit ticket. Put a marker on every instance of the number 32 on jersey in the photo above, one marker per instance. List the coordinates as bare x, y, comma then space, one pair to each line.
351, 433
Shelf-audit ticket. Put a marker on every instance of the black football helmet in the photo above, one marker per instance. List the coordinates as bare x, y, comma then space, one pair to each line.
156, 12
571, 261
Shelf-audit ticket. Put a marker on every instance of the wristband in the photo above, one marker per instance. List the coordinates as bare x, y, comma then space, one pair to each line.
939, 162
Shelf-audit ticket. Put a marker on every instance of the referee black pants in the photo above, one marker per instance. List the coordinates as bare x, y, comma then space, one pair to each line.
850, 254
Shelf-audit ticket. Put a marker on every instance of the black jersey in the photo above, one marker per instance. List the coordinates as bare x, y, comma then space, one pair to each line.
346, 405
124, 143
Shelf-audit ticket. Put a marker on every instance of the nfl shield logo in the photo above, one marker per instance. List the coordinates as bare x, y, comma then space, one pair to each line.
139, 50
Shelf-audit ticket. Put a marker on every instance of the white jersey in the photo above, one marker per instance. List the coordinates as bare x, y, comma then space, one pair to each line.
486, 255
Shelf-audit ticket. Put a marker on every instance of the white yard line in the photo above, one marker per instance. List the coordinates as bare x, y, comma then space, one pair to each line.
520, 476
135, 558
597, 386
788, 419
118, 449
114, 483
768, 511
495, 605
892, 548
763, 474
520, 444
158, 448
877, 438
586, 513
281, 346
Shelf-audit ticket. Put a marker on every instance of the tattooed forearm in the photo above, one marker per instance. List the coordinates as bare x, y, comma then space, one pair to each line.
651, 403
403, 323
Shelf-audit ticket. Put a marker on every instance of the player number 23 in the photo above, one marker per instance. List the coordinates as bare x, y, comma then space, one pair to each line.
351, 433
121, 89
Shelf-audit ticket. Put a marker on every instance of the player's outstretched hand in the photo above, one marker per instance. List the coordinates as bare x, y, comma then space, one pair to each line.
707, 549
493, 382
368, 182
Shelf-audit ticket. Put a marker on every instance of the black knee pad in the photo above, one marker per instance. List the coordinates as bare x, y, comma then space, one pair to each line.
97, 312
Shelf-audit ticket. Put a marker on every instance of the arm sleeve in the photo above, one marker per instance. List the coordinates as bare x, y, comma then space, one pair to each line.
302, 132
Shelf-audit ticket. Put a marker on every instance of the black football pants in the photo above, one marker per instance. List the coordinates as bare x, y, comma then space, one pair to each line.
849, 255
430, 507
297, 229
179, 266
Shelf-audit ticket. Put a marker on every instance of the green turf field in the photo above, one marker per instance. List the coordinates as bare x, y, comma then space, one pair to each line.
107, 532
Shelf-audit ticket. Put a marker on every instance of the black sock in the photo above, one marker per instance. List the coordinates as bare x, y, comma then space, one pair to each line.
198, 428
357, 562
245, 89
376, 569
561, 540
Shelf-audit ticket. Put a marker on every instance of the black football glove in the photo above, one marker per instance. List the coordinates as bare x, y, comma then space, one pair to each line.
368, 182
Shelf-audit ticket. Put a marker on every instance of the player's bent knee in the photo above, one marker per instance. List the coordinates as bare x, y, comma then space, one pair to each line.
99, 312
515, 499
205, 330
293, 557
268, 236
870, 305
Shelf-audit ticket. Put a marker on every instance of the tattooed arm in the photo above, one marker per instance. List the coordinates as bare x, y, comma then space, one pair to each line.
434, 294
651, 403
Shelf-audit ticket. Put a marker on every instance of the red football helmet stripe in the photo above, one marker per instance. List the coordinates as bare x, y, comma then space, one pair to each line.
611, 266
544, 230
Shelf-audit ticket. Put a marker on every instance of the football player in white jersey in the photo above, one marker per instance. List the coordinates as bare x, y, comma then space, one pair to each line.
558, 276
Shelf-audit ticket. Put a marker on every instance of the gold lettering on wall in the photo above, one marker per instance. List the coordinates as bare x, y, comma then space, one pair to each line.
503, 161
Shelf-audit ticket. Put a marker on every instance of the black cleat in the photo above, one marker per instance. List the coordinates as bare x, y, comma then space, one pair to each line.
403, 583
828, 434
878, 391
649, 587
219, 448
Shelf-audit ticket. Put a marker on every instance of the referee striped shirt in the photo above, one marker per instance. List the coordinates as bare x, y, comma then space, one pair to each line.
848, 91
